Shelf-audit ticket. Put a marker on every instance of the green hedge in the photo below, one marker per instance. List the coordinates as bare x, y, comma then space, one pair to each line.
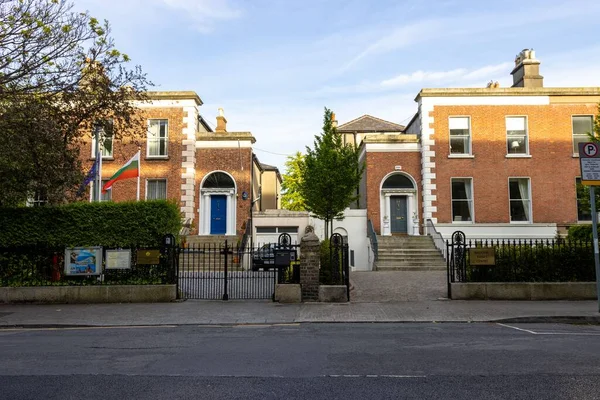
141, 223
326, 275
581, 232
546, 261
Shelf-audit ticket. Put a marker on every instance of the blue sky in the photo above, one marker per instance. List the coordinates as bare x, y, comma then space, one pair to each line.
274, 64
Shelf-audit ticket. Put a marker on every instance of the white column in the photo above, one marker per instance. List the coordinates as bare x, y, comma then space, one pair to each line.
230, 212
386, 229
205, 214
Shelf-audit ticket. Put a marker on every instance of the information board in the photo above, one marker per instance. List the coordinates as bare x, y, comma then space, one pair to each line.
118, 259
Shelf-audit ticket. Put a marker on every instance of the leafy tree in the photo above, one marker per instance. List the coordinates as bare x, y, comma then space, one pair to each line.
291, 198
330, 174
59, 74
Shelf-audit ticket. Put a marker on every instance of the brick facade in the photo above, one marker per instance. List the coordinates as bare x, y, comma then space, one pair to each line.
193, 152
236, 162
168, 168
380, 164
552, 168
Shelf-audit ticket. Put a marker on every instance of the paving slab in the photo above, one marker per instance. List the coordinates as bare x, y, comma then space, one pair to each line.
266, 312
394, 286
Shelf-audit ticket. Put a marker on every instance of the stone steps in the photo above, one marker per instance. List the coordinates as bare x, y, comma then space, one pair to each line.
408, 253
200, 240
410, 268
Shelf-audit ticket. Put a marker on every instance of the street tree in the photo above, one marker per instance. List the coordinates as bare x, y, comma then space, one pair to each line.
291, 198
331, 174
60, 74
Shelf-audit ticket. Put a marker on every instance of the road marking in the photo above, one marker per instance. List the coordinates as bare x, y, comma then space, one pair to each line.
519, 329
81, 328
550, 333
377, 376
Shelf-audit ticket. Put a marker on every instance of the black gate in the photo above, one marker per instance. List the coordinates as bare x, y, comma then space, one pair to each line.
339, 261
223, 272
457, 259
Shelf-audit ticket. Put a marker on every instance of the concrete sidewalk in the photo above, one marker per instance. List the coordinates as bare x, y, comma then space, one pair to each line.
264, 312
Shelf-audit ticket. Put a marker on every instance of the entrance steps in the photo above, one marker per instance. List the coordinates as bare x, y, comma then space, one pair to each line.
202, 254
200, 241
408, 253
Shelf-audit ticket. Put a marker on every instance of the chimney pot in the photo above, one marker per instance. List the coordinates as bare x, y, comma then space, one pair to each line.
221, 122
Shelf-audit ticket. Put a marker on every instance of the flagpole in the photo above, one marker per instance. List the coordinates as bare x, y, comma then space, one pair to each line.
138, 175
98, 177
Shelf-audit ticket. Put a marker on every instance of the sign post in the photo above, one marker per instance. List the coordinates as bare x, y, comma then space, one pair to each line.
589, 160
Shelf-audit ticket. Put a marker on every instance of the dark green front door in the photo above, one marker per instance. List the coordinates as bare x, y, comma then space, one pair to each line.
399, 217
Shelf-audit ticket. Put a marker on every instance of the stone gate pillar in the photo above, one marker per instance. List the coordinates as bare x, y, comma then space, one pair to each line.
309, 266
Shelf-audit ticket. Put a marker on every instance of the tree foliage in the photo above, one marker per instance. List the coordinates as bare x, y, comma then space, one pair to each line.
291, 198
330, 174
59, 74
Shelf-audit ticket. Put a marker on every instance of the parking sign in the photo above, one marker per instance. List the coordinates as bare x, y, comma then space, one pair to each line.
589, 160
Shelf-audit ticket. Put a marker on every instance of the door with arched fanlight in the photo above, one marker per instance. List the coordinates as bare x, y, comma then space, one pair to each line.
398, 205
218, 204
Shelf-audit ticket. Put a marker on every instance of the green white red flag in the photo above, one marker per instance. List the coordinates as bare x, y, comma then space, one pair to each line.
131, 169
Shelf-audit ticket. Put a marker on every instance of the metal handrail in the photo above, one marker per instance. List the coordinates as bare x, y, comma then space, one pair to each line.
437, 237
373, 238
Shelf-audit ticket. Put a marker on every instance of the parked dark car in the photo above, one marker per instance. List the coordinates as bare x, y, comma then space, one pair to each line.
264, 257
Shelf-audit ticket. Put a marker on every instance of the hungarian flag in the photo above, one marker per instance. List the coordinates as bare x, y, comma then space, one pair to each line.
131, 169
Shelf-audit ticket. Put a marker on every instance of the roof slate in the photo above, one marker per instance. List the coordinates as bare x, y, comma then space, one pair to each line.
368, 123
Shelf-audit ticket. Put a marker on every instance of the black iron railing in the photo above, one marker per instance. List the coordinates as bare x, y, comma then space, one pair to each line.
518, 260
44, 265
373, 239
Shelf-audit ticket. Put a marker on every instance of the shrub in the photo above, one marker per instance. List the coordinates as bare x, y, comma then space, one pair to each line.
141, 223
580, 232
326, 275
544, 261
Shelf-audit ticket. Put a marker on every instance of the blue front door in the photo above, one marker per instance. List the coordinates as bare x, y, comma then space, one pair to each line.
218, 214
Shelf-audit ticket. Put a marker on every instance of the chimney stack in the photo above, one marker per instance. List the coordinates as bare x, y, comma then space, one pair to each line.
334, 121
527, 70
221, 122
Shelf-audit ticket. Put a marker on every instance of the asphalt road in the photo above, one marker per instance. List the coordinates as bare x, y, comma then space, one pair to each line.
310, 361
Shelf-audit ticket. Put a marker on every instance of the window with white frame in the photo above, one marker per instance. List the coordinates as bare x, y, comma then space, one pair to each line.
106, 139
158, 137
156, 189
460, 135
520, 201
462, 199
582, 126
106, 196
37, 198
516, 135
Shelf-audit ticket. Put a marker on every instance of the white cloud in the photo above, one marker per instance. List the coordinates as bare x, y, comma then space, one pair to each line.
205, 13
470, 24
460, 75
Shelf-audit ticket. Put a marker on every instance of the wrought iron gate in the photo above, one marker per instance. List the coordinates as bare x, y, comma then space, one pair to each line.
224, 272
457, 259
339, 261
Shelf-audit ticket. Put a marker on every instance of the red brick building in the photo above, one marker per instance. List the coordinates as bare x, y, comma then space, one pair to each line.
210, 173
492, 162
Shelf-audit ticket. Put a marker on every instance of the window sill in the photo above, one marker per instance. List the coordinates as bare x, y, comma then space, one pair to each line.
461, 156
520, 222
103, 158
463, 222
156, 158
518, 156
575, 155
